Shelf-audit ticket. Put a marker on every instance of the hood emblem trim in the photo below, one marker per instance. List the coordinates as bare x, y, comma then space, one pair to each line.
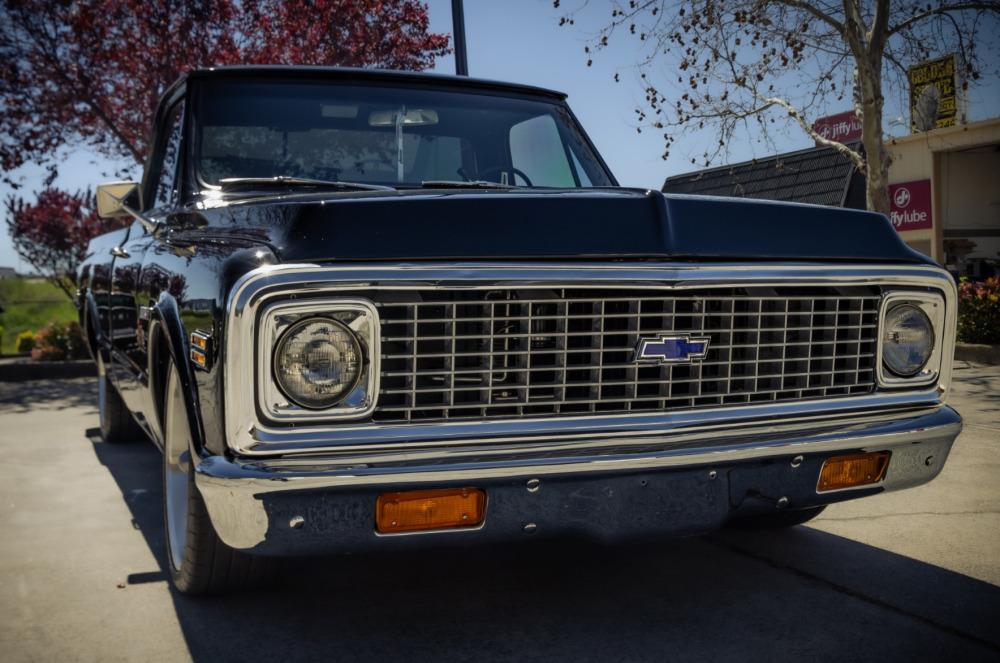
671, 349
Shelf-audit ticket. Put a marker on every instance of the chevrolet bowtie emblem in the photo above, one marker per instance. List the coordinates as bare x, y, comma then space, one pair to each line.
671, 349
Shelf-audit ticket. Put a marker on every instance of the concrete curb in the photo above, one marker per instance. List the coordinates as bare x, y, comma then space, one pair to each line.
980, 353
22, 370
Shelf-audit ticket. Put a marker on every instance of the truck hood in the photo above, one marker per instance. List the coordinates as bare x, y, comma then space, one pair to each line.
606, 224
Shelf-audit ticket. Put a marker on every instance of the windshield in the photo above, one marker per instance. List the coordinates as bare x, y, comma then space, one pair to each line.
396, 136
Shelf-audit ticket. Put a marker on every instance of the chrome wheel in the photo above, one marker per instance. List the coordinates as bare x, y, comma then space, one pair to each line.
176, 469
200, 563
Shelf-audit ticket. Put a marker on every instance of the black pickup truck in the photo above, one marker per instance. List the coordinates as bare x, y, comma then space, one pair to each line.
364, 310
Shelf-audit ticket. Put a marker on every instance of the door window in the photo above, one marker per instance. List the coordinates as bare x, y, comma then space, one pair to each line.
536, 150
167, 183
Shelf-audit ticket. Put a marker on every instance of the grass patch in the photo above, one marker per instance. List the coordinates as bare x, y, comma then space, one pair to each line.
30, 303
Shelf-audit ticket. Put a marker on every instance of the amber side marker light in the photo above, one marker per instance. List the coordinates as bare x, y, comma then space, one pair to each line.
850, 471
199, 341
417, 510
199, 358
199, 349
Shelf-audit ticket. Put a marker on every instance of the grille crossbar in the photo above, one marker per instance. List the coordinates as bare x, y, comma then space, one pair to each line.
460, 354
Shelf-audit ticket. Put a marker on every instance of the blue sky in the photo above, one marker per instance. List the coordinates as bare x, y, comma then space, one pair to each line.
520, 40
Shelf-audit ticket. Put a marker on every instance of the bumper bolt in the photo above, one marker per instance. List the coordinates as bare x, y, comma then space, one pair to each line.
296, 522
534, 485
797, 461
712, 475
530, 528
929, 461
782, 502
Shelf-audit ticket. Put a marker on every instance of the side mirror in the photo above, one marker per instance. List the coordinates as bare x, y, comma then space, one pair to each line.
116, 199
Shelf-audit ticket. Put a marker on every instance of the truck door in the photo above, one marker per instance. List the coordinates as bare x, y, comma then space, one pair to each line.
128, 366
130, 299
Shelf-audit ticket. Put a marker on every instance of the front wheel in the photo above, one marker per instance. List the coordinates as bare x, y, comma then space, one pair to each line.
200, 563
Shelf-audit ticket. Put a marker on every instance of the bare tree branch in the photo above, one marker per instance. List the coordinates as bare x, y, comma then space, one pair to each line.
727, 66
943, 9
814, 11
856, 157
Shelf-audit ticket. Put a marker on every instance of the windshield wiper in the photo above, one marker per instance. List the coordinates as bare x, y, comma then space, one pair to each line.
462, 184
233, 183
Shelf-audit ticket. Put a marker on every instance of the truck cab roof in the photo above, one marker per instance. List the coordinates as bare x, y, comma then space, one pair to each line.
355, 75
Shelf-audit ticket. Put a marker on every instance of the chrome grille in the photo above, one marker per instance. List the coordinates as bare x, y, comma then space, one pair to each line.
461, 354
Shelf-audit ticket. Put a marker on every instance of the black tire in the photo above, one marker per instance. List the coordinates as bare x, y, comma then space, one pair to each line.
778, 519
117, 424
200, 563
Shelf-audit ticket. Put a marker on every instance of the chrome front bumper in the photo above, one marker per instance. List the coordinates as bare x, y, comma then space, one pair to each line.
672, 483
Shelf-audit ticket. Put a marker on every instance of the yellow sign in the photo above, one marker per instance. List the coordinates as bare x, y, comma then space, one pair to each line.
933, 94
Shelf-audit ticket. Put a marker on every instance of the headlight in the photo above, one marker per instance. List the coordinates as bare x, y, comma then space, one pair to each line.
907, 340
318, 362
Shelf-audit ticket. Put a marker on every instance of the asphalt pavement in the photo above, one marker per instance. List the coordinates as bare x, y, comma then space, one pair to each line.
911, 576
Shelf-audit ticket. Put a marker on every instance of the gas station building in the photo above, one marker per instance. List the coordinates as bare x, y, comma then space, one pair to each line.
944, 187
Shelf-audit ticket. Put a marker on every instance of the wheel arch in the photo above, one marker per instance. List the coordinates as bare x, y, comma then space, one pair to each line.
90, 323
168, 344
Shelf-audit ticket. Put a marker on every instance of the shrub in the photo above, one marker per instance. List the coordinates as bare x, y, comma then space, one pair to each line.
25, 341
59, 341
979, 311
31, 303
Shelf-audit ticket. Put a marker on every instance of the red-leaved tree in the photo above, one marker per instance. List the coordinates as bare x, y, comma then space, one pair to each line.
52, 233
88, 73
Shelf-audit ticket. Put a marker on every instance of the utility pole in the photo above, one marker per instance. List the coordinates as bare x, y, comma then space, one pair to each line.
458, 31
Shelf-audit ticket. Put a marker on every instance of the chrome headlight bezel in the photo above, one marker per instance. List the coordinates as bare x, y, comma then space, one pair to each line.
360, 317
933, 306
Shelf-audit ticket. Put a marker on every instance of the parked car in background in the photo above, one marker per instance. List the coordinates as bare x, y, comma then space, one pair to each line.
364, 310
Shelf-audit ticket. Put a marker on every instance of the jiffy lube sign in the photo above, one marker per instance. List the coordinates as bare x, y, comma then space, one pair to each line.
842, 127
911, 205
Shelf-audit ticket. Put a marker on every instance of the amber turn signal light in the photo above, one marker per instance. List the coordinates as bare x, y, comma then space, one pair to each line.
850, 471
199, 350
199, 358
417, 510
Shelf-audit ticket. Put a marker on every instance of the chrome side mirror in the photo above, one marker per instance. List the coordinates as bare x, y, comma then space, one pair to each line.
116, 199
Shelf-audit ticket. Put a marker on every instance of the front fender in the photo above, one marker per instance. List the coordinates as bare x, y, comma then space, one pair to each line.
167, 334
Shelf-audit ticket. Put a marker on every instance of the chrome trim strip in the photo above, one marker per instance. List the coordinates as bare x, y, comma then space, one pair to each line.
395, 436
716, 435
392, 535
222, 476
247, 436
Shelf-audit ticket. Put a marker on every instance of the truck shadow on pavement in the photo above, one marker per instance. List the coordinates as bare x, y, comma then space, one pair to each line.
731, 596
981, 386
48, 394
